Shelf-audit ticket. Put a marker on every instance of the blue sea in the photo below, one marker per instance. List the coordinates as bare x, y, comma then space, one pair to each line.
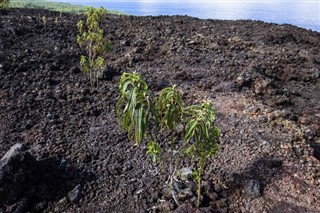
302, 13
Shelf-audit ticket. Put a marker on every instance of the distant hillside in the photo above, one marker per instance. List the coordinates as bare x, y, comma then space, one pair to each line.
49, 5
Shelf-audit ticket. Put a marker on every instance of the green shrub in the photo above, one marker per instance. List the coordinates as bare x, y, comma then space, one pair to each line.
135, 97
169, 109
200, 133
91, 39
169, 106
4, 4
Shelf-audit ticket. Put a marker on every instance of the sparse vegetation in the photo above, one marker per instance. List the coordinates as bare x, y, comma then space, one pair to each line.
4, 4
91, 38
135, 97
55, 6
200, 133
270, 125
170, 110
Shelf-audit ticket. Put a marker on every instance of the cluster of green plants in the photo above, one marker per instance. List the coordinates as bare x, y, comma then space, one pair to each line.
4, 4
139, 110
92, 40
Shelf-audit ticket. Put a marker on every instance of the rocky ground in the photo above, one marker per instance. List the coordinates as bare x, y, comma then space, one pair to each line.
70, 156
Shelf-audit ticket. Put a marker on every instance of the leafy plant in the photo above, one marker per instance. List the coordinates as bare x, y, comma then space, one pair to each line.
91, 39
169, 107
154, 151
201, 130
135, 97
4, 4
200, 133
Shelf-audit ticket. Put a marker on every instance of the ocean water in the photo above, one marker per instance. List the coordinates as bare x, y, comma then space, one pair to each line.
302, 13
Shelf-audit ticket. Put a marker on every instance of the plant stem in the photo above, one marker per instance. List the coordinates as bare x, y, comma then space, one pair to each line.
201, 164
136, 135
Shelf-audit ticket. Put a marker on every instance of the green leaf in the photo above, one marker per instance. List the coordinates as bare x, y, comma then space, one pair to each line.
134, 96
190, 130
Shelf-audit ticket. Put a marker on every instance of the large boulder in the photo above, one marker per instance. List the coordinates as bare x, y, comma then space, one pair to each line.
17, 167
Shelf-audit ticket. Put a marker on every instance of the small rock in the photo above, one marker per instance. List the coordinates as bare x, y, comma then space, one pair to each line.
30, 122
63, 201
41, 206
101, 75
50, 116
185, 194
166, 206
114, 170
148, 181
252, 189
213, 196
162, 84
139, 43
166, 193
185, 173
125, 42
178, 186
260, 86
76, 194
14, 151
75, 70
316, 150
19, 207
63, 164
179, 128
243, 80
275, 163
185, 208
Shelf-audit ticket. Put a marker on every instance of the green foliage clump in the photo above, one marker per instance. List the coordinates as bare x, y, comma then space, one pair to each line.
200, 134
4, 4
91, 39
135, 96
170, 107
154, 151
200, 128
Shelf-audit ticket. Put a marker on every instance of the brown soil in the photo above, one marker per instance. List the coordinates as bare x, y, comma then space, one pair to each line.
264, 81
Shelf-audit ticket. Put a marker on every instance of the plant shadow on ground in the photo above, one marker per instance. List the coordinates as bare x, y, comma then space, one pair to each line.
283, 206
251, 183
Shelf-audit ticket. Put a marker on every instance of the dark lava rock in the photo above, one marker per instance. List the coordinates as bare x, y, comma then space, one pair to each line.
26, 182
166, 206
316, 150
252, 189
75, 70
274, 163
243, 80
76, 194
12, 154
15, 173
185, 208
19, 207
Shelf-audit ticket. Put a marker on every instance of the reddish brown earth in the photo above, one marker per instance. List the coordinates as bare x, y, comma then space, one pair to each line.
264, 81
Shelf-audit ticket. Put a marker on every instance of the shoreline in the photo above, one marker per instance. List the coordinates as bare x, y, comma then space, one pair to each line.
79, 9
